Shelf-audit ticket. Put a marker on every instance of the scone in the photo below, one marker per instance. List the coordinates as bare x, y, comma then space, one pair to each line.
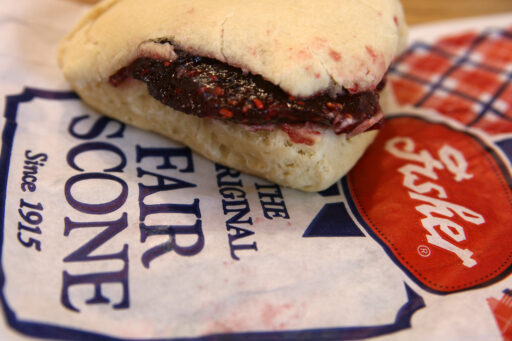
287, 90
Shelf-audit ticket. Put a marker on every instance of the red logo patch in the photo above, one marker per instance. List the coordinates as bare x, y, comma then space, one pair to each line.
439, 201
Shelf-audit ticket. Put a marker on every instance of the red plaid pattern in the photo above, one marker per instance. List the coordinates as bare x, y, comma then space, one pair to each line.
452, 105
425, 65
466, 77
502, 311
457, 44
496, 51
476, 83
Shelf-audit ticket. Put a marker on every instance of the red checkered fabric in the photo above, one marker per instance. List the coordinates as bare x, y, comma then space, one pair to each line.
466, 77
502, 311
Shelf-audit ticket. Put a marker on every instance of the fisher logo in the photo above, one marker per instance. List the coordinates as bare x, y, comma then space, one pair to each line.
436, 198
436, 212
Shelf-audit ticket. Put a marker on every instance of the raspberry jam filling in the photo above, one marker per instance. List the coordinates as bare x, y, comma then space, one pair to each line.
208, 88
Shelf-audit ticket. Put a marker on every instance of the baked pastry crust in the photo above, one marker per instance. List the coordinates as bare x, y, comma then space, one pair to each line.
267, 154
305, 47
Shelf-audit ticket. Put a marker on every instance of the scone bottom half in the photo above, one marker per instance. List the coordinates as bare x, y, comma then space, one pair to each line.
239, 119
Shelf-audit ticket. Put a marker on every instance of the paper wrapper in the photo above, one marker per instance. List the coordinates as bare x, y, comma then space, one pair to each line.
110, 233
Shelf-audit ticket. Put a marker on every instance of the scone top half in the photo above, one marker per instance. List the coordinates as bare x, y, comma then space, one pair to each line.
305, 48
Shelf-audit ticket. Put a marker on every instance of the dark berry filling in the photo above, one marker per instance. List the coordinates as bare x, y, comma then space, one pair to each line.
208, 88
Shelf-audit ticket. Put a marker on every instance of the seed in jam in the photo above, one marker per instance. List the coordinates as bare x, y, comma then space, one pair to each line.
225, 113
258, 103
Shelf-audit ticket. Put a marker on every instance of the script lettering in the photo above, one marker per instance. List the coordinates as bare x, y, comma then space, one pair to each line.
435, 210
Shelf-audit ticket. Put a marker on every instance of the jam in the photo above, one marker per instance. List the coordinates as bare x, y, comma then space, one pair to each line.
208, 88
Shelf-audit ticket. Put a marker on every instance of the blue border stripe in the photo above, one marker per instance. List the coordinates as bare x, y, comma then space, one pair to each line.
8, 134
46, 331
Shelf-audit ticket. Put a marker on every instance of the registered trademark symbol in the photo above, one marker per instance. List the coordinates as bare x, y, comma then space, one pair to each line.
423, 251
